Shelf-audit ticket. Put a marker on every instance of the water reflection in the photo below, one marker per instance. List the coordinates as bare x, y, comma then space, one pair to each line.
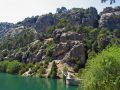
11, 82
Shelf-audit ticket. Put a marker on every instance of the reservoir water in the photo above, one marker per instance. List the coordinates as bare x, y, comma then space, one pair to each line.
15, 82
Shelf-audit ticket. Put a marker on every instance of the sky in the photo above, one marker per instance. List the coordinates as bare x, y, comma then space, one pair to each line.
16, 10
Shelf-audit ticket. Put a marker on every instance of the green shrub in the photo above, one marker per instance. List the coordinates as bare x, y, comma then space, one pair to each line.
46, 63
41, 71
103, 71
13, 67
33, 70
39, 65
23, 69
49, 48
50, 30
30, 65
53, 72
3, 66
76, 63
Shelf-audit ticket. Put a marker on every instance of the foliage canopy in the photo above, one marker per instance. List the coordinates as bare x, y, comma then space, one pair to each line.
102, 72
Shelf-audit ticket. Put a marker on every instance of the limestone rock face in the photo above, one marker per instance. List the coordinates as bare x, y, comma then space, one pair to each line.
57, 34
79, 51
24, 57
44, 22
15, 31
73, 49
18, 56
66, 43
110, 18
71, 36
4, 27
87, 17
91, 17
70, 46
61, 49
40, 54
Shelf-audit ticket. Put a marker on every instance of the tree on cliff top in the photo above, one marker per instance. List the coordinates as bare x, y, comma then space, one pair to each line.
111, 1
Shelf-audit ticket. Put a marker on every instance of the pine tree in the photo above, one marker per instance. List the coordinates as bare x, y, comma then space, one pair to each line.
53, 72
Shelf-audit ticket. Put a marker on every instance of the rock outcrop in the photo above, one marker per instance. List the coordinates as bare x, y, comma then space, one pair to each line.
110, 18
79, 51
80, 16
66, 51
60, 50
71, 36
57, 34
40, 54
45, 22
70, 46
4, 27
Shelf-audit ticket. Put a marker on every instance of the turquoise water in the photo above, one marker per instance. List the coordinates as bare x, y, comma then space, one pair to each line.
14, 82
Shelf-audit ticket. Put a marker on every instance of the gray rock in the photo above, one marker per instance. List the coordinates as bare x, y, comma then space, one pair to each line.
24, 57
57, 34
110, 19
44, 22
39, 36
79, 51
18, 56
61, 49
40, 55
71, 36
78, 16
31, 58
5, 27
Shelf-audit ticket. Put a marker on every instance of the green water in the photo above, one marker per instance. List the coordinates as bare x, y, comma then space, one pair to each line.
14, 82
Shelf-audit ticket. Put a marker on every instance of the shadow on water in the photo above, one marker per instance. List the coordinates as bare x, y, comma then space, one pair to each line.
14, 82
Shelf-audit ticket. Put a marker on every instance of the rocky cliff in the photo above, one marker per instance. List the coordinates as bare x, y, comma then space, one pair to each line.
72, 36
110, 18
